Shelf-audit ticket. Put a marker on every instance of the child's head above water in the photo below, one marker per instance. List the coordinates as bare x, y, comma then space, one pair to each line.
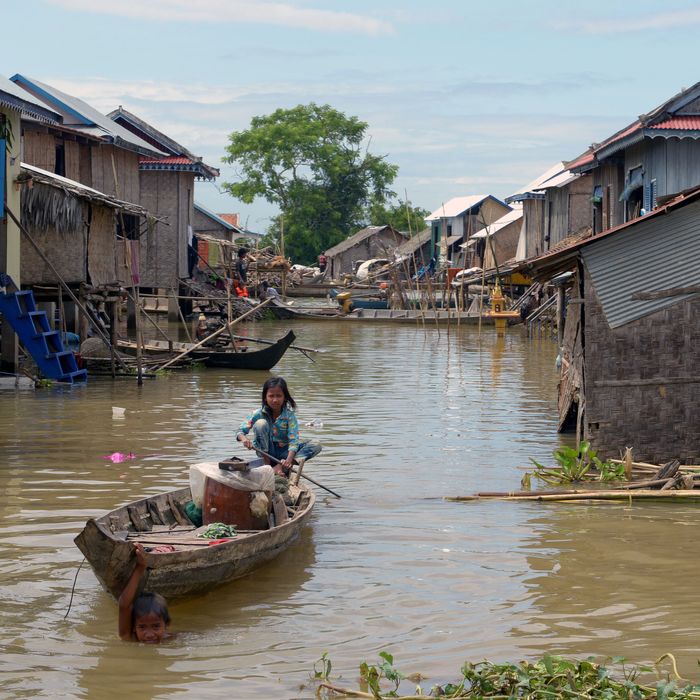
143, 617
150, 618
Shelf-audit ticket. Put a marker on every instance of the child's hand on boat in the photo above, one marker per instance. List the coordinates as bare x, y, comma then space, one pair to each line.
140, 555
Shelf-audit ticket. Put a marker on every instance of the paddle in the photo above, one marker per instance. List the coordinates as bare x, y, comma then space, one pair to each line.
294, 471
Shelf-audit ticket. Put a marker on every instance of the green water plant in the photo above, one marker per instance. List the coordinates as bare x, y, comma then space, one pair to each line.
551, 677
578, 464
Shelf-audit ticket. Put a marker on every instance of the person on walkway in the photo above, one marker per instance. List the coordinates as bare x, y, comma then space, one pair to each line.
274, 429
267, 291
145, 617
322, 262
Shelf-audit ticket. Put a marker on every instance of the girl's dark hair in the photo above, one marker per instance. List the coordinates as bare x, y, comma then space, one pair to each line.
242, 252
150, 603
278, 381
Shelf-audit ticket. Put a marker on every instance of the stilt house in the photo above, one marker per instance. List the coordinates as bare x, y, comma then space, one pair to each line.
655, 156
370, 242
167, 191
631, 340
456, 221
555, 205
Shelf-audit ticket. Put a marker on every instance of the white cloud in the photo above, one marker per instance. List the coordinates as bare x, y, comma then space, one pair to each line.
626, 25
234, 11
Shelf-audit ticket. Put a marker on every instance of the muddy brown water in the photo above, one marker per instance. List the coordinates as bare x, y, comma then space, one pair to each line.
409, 416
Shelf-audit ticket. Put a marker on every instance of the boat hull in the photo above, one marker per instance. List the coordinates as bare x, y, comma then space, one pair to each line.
196, 567
263, 359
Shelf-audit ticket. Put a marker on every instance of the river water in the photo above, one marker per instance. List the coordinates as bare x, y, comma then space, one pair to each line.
409, 415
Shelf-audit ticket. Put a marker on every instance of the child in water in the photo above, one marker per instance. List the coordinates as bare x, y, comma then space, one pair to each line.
275, 429
143, 618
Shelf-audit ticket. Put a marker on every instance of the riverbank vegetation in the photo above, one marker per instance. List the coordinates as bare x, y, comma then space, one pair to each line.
550, 677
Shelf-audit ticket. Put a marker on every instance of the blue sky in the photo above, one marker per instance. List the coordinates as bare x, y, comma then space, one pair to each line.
465, 97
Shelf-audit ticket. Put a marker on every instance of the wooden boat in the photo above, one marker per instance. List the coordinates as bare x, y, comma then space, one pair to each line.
287, 311
263, 359
195, 566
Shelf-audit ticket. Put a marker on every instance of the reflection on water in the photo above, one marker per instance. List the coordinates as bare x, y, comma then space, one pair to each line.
409, 415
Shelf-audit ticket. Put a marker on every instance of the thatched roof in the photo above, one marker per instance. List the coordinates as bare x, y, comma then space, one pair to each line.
55, 202
358, 237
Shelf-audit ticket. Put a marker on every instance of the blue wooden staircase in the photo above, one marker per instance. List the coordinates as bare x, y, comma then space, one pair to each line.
32, 328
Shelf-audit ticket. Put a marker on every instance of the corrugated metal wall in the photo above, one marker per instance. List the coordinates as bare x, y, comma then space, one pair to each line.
654, 254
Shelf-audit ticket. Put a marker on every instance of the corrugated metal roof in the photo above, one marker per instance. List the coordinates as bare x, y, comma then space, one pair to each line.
681, 122
456, 206
537, 184
81, 115
652, 255
15, 97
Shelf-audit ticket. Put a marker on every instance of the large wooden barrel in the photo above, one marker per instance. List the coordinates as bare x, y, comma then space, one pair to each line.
224, 504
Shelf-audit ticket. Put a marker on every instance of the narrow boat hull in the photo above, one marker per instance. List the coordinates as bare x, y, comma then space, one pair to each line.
195, 567
263, 359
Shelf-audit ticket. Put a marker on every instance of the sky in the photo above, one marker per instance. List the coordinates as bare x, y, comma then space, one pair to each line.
464, 97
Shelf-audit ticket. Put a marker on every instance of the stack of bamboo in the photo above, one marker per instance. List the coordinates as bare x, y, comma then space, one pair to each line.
670, 480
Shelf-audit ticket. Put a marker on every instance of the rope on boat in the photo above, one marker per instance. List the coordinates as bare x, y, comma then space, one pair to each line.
75, 580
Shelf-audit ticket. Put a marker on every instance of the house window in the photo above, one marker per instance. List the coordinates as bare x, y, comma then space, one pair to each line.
60, 165
634, 193
650, 196
128, 226
449, 230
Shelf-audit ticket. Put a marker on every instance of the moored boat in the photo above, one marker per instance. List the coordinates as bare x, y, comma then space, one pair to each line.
230, 358
194, 565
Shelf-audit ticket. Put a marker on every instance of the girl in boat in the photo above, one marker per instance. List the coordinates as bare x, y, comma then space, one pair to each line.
275, 429
143, 618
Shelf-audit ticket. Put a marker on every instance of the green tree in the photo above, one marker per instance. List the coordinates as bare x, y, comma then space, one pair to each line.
402, 216
310, 161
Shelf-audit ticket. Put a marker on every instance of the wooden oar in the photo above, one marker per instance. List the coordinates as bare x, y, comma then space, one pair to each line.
294, 471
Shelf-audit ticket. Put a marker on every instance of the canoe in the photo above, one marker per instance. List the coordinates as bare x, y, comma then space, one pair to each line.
287, 311
263, 359
195, 567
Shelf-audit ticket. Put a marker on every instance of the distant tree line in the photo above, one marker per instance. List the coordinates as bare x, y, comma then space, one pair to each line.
312, 163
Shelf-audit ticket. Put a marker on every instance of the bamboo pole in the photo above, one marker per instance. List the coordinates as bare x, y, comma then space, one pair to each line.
180, 314
585, 496
223, 328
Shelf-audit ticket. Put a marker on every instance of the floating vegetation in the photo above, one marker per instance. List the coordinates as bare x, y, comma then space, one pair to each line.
551, 677
578, 464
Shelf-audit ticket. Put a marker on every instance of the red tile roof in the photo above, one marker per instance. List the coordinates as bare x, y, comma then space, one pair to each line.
232, 219
679, 122
170, 160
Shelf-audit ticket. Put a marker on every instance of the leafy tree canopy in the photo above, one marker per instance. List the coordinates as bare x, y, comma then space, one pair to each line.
309, 161
402, 216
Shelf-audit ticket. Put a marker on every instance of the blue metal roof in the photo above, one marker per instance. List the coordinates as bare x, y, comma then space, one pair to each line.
14, 97
82, 116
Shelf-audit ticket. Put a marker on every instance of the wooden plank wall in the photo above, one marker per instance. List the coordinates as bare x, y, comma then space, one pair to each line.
71, 151
126, 164
101, 246
534, 233
39, 150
